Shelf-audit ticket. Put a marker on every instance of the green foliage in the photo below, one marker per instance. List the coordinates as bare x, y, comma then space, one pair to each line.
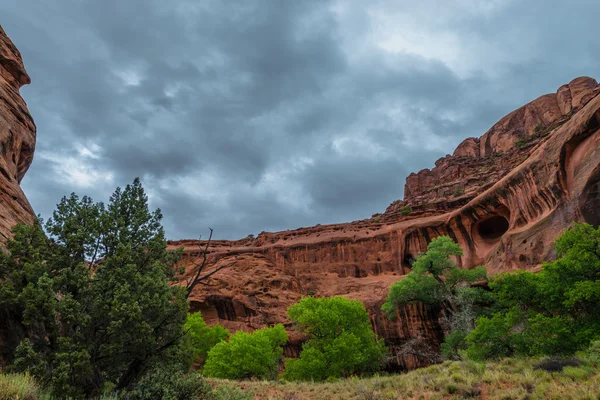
201, 338
19, 386
342, 342
226, 392
247, 355
92, 303
406, 210
436, 280
458, 192
454, 342
168, 384
592, 354
553, 312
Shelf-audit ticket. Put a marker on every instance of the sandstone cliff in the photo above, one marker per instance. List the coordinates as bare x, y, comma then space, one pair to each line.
503, 197
17, 138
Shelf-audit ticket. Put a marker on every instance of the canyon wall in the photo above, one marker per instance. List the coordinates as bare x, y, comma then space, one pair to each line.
504, 197
17, 143
17, 139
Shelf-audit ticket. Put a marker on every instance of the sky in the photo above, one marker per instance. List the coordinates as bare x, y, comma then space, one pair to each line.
266, 115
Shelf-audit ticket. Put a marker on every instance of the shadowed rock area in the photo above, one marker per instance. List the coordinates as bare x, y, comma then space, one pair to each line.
504, 197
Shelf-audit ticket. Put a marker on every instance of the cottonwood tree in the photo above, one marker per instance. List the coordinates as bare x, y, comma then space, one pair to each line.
436, 280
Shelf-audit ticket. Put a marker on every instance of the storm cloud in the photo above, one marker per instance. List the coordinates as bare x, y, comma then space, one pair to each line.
255, 115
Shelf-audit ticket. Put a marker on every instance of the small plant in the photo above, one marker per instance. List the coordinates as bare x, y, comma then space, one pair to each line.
521, 143
18, 386
592, 354
458, 192
406, 210
171, 385
226, 392
250, 236
556, 364
538, 128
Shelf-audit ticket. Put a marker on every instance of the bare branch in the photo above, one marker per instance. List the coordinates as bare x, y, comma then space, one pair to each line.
199, 277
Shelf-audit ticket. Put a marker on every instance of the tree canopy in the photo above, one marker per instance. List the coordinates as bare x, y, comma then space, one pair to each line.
247, 355
91, 304
342, 342
555, 311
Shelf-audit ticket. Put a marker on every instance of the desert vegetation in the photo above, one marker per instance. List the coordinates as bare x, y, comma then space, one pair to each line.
98, 309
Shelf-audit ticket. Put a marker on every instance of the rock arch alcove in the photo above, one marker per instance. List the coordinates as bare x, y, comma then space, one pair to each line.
488, 231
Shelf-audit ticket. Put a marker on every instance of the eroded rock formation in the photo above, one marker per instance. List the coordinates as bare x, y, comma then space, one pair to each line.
503, 197
17, 138
17, 143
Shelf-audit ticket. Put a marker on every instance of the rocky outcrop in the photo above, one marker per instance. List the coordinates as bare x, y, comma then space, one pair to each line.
17, 138
17, 143
503, 197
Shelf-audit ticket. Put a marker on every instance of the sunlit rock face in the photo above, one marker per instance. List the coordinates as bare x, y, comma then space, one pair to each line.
17, 138
504, 197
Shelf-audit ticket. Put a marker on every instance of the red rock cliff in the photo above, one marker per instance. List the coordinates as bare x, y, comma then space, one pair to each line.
17, 138
17, 143
503, 197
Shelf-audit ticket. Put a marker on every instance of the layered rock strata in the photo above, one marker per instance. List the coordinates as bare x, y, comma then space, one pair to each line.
17, 138
504, 197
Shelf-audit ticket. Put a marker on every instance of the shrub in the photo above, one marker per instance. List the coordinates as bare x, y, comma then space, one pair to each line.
453, 343
556, 364
226, 392
201, 338
592, 354
406, 210
342, 342
247, 355
168, 384
19, 386
458, 192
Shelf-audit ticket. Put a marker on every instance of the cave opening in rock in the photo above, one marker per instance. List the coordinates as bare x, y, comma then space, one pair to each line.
492, 228
408, 260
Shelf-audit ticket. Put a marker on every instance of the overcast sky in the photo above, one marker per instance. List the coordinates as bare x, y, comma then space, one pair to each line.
254, 115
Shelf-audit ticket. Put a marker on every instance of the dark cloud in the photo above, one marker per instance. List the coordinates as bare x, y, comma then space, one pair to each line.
268, 114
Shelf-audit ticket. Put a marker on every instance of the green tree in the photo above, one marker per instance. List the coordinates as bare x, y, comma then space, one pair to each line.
92, 303
247, 355
342, 342
200, 338
556, 311
436, 280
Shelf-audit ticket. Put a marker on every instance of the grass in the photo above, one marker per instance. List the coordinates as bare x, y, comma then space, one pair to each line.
20, 387
507, 379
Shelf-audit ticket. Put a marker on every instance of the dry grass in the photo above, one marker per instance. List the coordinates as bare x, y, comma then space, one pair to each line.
19, 387
507, 379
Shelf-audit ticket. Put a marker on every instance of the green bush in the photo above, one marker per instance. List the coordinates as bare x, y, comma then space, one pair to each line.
342, 342
458, 192
247, 355
201, 338
453, 343
169, 384
592, 354
406, 210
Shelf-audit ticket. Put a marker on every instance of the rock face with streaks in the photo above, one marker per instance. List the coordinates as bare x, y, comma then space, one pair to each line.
17, 143
504, 197
17, 138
